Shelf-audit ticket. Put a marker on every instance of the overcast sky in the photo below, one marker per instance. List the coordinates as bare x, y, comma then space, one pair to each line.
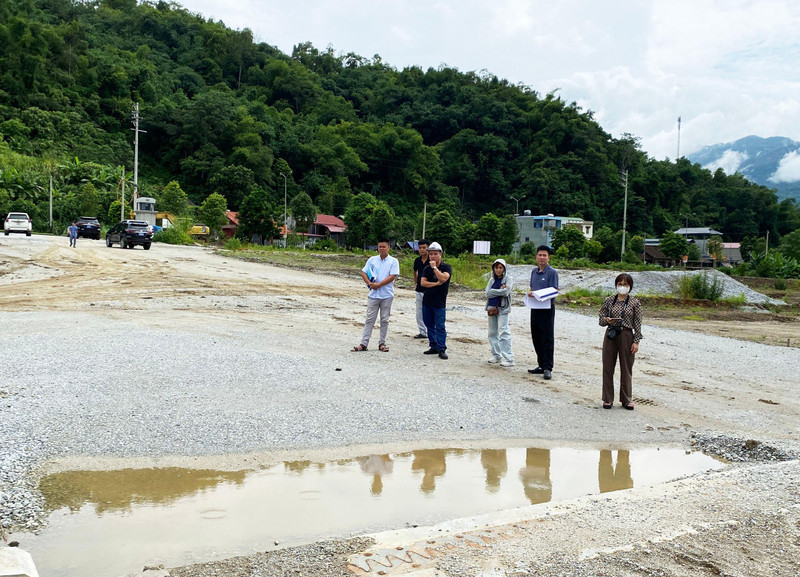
728, 68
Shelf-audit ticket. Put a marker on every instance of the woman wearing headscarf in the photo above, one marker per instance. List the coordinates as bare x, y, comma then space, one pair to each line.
622, 315
498, 305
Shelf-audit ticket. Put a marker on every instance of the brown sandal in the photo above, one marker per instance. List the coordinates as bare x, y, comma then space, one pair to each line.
358, 349
383, 348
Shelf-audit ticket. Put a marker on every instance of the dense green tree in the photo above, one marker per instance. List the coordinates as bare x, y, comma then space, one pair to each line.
358, 219
258, 216
382, 223
673, 245
508, 235
714, 248
212, 212
572, 238
172, 199
443, 228
234, 183
488, 228
90, 201
790, 245
303, 211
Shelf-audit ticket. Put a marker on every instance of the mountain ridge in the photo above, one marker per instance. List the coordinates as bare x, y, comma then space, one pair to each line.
772, 161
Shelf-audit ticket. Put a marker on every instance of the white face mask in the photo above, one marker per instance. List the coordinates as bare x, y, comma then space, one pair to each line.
623, 290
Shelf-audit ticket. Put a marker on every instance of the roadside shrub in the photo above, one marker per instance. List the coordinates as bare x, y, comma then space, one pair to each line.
233, 244
326, 245
527, 249
173, 235
700, 287
780, 284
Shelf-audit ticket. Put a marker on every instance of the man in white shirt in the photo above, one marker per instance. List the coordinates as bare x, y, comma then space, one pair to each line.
379, 274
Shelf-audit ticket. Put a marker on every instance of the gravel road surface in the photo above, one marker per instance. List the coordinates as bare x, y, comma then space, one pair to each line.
179, 356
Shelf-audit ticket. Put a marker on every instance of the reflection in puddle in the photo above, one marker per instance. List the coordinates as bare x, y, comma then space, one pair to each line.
114, 522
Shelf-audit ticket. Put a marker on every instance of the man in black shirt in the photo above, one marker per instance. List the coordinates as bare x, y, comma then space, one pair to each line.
419, 265
436, 282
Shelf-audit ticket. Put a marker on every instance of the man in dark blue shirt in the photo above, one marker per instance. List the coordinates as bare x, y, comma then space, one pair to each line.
543, 320
436, 282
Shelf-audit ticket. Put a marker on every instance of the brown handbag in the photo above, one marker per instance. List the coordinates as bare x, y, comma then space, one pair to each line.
493, 311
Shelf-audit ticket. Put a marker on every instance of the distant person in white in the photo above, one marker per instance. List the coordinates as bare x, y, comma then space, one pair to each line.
379, 274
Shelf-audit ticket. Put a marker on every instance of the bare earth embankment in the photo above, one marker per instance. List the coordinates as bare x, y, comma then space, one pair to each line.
182, 356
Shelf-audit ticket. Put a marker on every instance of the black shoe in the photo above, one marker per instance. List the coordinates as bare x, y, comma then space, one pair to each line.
442, 355
421, 336
548, 375
431, 351
536, 371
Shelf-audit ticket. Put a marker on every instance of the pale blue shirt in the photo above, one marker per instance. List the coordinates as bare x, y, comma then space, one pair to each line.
378, 269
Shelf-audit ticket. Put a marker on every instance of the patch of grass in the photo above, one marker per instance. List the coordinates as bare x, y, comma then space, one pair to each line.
693, 318
737, 301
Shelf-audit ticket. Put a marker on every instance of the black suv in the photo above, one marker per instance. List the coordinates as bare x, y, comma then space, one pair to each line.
129, 233
88, 227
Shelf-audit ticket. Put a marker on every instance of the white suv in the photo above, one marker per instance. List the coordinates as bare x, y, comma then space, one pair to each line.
17, 222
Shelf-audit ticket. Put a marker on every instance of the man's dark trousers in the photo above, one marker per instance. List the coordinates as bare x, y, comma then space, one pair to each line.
542, 329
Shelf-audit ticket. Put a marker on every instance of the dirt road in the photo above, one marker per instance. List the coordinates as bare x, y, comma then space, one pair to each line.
685, 384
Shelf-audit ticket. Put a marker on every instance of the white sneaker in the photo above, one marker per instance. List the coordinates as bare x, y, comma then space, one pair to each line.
494, 360
506, 363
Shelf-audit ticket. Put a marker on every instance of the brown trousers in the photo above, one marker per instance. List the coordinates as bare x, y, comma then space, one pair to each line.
619, 347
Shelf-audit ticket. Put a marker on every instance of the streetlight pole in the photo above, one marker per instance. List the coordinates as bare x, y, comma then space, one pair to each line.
686, 228
285, 222
517, 199
624, 215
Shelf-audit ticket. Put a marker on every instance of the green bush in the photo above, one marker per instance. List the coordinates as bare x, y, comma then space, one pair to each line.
326, 244
780, 284
173, 235
527, 249
700, 287
233, 244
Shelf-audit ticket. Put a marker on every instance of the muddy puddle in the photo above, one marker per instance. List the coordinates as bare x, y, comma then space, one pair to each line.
112, 523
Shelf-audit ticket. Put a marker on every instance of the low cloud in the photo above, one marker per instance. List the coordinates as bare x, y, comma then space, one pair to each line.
730, 162
788, 168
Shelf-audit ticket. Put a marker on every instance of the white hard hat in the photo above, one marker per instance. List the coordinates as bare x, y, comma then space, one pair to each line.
435, 246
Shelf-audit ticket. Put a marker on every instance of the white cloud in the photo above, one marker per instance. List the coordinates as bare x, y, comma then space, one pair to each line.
730, 161
788, 168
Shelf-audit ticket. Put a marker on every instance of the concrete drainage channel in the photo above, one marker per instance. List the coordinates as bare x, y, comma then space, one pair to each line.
175, 516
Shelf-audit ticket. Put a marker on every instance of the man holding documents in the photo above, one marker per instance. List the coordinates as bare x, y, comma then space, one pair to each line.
541, 299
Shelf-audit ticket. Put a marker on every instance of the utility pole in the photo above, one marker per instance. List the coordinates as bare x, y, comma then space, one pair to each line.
285, 221
135, 121
424, 215
766, 245
51, 201
679, 139
122, 208
624, 214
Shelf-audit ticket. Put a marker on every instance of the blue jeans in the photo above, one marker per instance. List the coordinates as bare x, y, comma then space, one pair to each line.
434, 321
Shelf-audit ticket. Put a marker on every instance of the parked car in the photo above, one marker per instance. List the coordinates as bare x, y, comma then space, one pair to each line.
88, 227
129, 233
17, 222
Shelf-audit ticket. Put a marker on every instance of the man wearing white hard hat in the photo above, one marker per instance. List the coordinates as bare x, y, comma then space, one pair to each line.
436, 282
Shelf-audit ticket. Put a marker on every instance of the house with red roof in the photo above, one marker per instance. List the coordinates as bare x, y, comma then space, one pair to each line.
328, 226
229, 230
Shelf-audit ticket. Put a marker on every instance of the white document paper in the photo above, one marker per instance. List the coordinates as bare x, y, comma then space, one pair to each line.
532, 303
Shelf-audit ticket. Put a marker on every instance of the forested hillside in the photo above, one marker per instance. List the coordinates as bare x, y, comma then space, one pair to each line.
227, 115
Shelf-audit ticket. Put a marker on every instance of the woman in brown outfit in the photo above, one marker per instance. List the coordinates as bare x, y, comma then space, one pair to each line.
622, 314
